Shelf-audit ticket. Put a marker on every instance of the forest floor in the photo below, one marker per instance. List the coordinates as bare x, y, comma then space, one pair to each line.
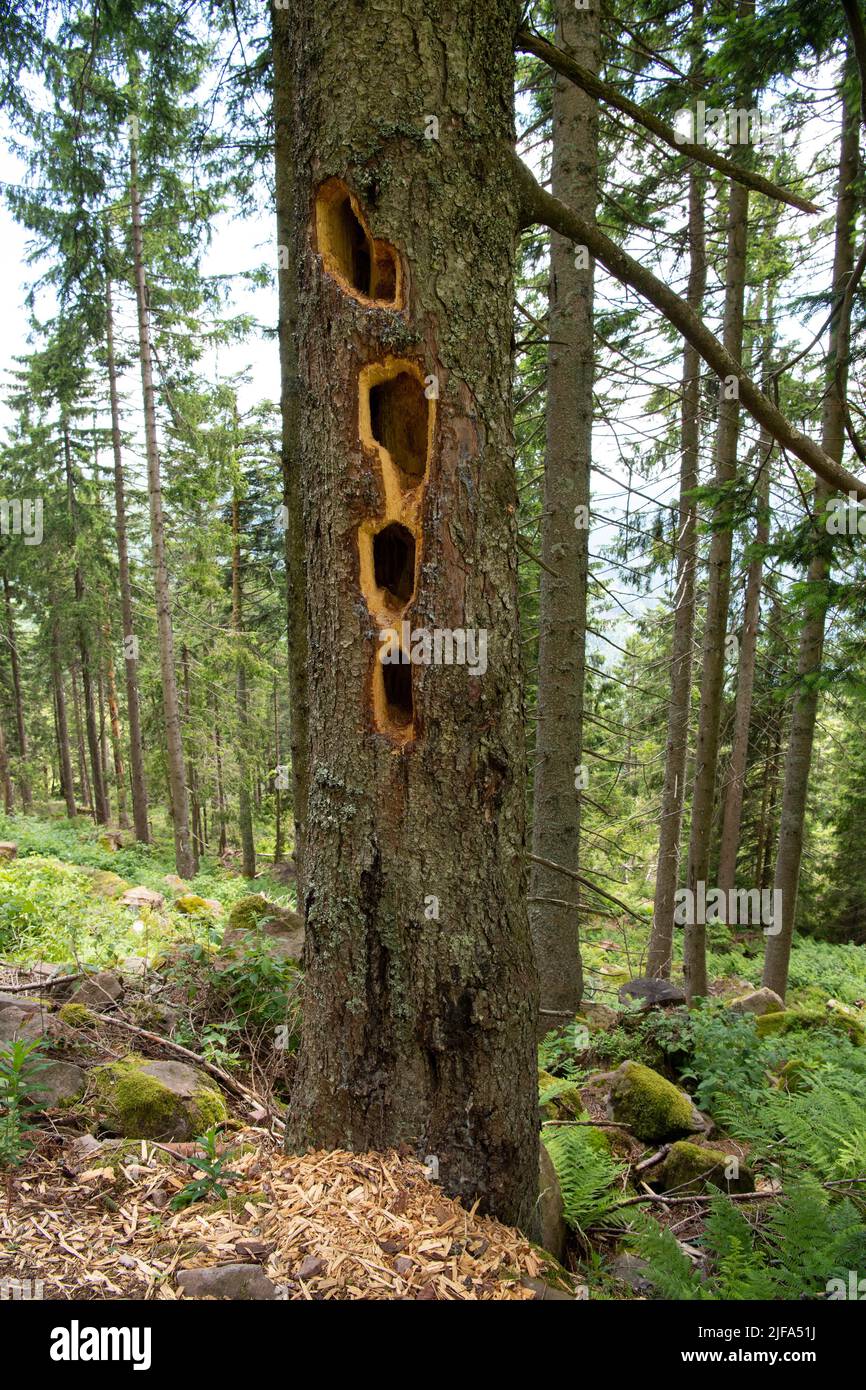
148, 1031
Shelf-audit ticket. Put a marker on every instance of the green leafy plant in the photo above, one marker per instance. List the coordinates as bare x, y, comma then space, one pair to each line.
214, 1174
588, 1175
20, 1065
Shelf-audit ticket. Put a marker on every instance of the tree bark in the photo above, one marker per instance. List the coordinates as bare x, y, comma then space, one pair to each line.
83, 777
18, 697
558, 777
798, 757
245, 810
130, 642
5, 779
290, 411
185, 859
420, 997
63, 750
116, 739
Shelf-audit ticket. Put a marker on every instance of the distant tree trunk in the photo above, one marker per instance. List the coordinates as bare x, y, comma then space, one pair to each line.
420, 1000
104, 726
5, 779
100, 803
221, 798
63, 751
730, 840
290, 411
116, 740
130, 641
191, 774
660, 949
718, 584
18, 697
798, 759
184, 854
558, 778
245, 812
279, 849
83, 777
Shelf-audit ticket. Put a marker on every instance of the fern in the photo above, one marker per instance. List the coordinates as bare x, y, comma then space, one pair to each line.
587, 1175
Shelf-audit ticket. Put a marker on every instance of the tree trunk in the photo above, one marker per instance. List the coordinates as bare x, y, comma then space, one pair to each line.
290, 410
718, 583
558, 778
100, 803
660, 949
130, 642
245, 810
83, 777
63, 751
5, 779
279, 849
420, 998
730, 840
221, 799
801, 735
191, 775
18, 696
116, 740
184, 855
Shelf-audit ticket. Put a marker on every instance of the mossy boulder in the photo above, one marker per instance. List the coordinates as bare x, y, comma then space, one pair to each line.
653, 1108
106, 884
689, 1168
799, 1020
77, 1016
256, 922
558, 1099
757, 1002
142, 1099
193, 906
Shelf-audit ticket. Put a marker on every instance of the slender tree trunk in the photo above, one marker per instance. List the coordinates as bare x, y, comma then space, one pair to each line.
5, 779
184, 854
245, 812
420, 1000
18, 697
116, 740
718, 584
558, 777
278, 819
130, 641
290, 410
730, 840
63, 751
104, 725
660, 949
83, 777
221, 798
191, 775
801, 735
100, 803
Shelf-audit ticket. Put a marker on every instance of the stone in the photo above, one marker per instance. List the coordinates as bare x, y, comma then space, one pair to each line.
256, 923
632, 1270
8, 849
142, 1099
551, 1211
134, 965
598, 1017
108, 885
96, 991
653, 1108
759, 1001
176, 884
238, 1281
542, 1292
799, 1020
21, 1024
689, 1168
192, 905
650, 993
60, 1083
143, 897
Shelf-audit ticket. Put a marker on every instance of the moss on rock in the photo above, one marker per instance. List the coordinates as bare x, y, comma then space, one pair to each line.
192, 905
558, 1099
689, 1168
797, 1020
76, 1016
652, 1107
141, 1099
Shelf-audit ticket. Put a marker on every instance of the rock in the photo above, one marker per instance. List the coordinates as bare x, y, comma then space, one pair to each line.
143, 897
598, 1017
651, 993
566, 1104
58, 1084
256, 923
43, 971
546, 1293
22, 1023
215, 906
155, 1016
193, 905
228, 1281
141, 1099
135, 966
760, 1001
632, 1270
18, 1001
83, 1148
96, 991
653, 1108
113, 840
176, 884
689, 1168
550, 1207
8, 849
108, 885
796, 1020
311, 1267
